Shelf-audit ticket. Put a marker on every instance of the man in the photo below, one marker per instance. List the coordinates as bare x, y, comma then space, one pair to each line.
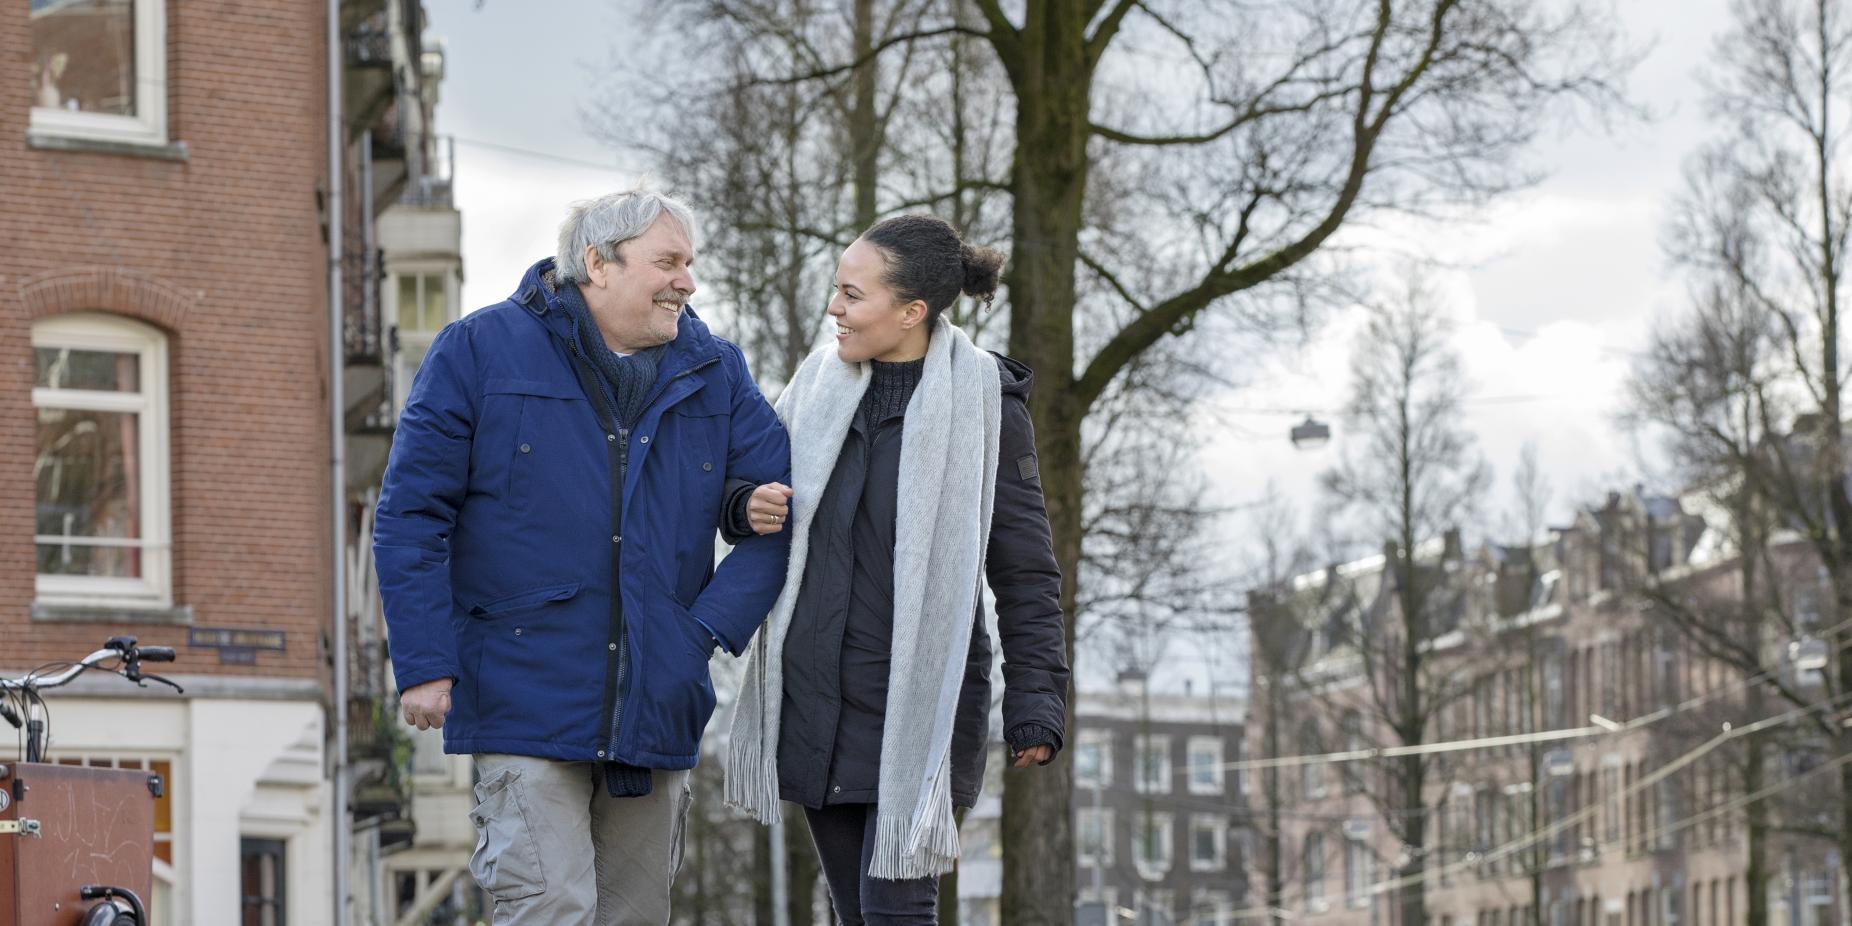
545, 547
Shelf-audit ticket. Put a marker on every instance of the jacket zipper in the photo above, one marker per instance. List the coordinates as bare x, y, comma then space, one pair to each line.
623, 642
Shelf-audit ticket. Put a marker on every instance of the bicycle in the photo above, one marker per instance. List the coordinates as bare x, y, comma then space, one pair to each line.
80, 806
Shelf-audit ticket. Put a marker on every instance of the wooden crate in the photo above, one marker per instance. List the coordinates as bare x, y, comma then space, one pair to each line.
95, 826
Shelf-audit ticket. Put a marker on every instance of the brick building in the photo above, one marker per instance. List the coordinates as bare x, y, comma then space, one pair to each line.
165, 428
1159, 821
1611, 791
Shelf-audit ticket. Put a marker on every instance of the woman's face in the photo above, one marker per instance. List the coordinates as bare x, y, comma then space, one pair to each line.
870, 323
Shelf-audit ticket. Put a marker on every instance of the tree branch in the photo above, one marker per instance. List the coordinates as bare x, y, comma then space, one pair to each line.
873, 53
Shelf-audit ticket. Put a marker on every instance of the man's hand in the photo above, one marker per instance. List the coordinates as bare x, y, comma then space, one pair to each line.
768, 508
1034, 755
426, 705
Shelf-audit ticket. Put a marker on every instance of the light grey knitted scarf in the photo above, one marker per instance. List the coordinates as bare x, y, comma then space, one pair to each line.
948, 469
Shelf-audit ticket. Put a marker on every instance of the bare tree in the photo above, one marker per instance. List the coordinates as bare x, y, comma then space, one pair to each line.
1709, 386
1764, 228
1411, 475
1246, 167
1277, 632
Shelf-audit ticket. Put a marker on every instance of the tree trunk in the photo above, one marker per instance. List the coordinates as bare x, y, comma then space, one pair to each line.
864, 128
1276, 863
1053, 85
1755, 870
762, 849
948, 887
802, 866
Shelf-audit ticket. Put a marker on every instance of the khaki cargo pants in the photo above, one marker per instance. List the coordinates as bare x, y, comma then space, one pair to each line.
553, 847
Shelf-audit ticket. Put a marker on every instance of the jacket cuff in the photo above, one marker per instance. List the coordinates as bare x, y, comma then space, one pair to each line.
736, 524
1026, 736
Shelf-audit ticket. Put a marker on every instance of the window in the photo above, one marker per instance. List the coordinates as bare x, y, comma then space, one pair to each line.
1312, 773
1154, 908
428, 758
261, 882
1553, 695
100, 467
1093, 758
1208, 843
1315, 872
1358, 876
1353, 743
1151, 841
1209, 908
1096, 836
1153, 764
99, 70
1205, 765
420, 307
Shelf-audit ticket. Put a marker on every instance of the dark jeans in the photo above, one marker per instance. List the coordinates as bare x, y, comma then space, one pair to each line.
845, 838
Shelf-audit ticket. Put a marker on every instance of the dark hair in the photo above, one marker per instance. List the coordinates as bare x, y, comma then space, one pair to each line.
928, 261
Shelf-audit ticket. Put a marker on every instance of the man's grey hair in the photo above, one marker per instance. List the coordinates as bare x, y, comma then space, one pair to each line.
609, 221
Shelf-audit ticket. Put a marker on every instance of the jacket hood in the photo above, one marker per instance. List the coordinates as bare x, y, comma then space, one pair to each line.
1016, 375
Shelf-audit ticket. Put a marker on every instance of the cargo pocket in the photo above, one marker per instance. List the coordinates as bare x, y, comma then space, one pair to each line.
506, 862
680, 843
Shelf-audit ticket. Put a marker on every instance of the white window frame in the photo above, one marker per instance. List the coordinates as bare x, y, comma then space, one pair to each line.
1359, 874
98, 331
1314, 860
1106, 855
1102, 739
149, 124
1210, 907
1163, 839
1210, 747
1146, 744
402, 369
1218, 828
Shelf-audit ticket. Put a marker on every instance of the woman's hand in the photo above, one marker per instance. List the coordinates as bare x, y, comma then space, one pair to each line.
1034, 755
768, 508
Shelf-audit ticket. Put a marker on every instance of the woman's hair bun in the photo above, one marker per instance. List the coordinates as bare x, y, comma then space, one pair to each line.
983, 268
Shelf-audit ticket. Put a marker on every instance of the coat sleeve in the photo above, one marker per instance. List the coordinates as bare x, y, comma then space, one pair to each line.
748, 580
427, 476
1026, 582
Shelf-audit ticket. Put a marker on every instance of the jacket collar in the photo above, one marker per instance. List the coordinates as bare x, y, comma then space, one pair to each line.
694, 343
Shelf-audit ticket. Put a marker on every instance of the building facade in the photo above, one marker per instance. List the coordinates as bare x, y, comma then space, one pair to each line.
1592, 776
165, 417
1159, 817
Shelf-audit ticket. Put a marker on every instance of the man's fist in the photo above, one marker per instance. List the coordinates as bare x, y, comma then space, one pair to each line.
426, 705
768, 508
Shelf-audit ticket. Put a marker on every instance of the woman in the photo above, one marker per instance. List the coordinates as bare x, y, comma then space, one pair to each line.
867, 696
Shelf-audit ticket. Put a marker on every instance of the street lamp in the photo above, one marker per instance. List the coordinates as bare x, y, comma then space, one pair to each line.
1808, 654
1311, 434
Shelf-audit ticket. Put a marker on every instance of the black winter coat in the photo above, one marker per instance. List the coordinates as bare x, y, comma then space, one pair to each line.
836, 651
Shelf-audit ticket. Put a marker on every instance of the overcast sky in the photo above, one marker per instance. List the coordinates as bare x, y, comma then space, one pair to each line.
1556, 287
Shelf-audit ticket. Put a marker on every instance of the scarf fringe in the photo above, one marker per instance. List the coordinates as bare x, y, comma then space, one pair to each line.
926, 847
752, 778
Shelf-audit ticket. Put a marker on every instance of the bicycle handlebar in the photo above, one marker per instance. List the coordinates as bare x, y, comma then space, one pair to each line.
119, 648
34, 680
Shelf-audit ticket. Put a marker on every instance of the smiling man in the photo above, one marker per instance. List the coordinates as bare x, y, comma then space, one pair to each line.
545, 548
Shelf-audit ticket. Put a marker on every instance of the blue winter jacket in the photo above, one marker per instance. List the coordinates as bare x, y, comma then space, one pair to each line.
576, 621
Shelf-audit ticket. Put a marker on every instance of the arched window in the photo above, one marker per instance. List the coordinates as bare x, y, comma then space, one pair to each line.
100, 470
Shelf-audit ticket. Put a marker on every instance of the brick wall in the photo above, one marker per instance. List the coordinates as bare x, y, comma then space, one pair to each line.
223, 252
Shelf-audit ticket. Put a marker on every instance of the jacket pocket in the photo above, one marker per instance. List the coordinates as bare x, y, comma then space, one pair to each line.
536, 419
506, 862
524, 600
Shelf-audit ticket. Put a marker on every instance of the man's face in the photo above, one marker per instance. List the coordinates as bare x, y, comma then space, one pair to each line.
637, 299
